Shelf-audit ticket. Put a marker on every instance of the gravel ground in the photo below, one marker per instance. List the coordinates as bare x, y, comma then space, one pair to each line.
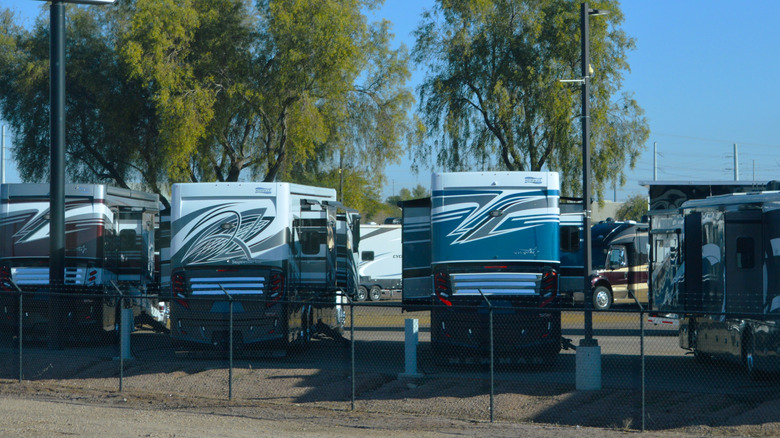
76, 392
167, 399
128, 416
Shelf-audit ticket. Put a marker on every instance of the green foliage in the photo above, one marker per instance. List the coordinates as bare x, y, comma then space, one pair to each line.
633, 209
162, 91
492, 97
404, 194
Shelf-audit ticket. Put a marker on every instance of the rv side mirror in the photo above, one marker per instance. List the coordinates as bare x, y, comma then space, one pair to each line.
367, 256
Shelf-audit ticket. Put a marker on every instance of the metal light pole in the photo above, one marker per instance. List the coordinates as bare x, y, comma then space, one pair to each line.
57, 172
588, 360
57, 163
586, 191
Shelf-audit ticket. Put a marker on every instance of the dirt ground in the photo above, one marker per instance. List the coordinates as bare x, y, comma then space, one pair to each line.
172, 399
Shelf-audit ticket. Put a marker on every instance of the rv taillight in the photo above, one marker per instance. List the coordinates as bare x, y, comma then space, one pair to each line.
92, 276
178, 286
275, 288
549, 287
441, 286
5, 278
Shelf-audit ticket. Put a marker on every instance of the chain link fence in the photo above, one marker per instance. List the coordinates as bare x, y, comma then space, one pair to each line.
379, 359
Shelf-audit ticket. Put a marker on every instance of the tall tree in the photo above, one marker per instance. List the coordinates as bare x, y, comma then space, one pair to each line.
633, 209
268, 91
111, 130
200, 90
492, 96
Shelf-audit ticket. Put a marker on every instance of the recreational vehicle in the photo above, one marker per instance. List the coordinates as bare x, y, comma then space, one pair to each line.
620, 252
486, 243
715, 262
109, 247
380, 261
270, 249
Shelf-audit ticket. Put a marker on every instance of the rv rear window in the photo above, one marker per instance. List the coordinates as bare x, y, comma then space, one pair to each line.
127, 239
367, 256
745, 253
310, 242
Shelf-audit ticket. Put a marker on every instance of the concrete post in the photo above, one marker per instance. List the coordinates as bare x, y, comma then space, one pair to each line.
411, 331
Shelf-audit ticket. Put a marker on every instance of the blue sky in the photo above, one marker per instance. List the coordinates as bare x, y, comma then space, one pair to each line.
705, 73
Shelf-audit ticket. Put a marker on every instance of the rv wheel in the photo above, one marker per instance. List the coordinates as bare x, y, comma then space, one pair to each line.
602, 298
749, 358
693, 341
375, 294
362, 293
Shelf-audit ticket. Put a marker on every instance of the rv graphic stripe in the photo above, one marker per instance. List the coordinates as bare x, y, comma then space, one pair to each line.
496, 224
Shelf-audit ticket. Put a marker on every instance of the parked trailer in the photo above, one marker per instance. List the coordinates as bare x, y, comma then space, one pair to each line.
380, 261
273, 247
109, 243
486, 240
716, 263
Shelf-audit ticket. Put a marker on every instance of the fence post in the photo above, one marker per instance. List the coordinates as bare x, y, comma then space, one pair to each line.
230, 344
641, 350
642, 355
21, 316
122, 340
352, 345
492, 365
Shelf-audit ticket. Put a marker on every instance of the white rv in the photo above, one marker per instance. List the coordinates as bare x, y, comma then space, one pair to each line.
109, 243
270, 248
380, 261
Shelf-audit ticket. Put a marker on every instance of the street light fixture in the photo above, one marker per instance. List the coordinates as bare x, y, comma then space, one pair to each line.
57, 163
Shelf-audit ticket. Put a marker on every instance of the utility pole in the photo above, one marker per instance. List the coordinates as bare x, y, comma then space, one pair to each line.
341, 176
736, 163
655, 161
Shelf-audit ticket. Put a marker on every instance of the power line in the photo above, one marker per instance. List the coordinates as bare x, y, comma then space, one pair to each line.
687, 137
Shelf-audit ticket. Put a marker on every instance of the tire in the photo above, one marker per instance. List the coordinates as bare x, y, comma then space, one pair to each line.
698, 355
361, 294
749, 358
375, 293
602, 298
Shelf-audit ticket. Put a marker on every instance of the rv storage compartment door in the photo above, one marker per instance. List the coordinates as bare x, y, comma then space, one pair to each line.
692, 289
416, 242
744, 264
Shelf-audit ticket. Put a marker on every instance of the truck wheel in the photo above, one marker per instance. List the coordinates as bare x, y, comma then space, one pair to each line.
375, 294
602, 298
362, 293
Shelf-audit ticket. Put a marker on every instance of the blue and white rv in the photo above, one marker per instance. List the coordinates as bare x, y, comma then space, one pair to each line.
285, 253
486, 239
